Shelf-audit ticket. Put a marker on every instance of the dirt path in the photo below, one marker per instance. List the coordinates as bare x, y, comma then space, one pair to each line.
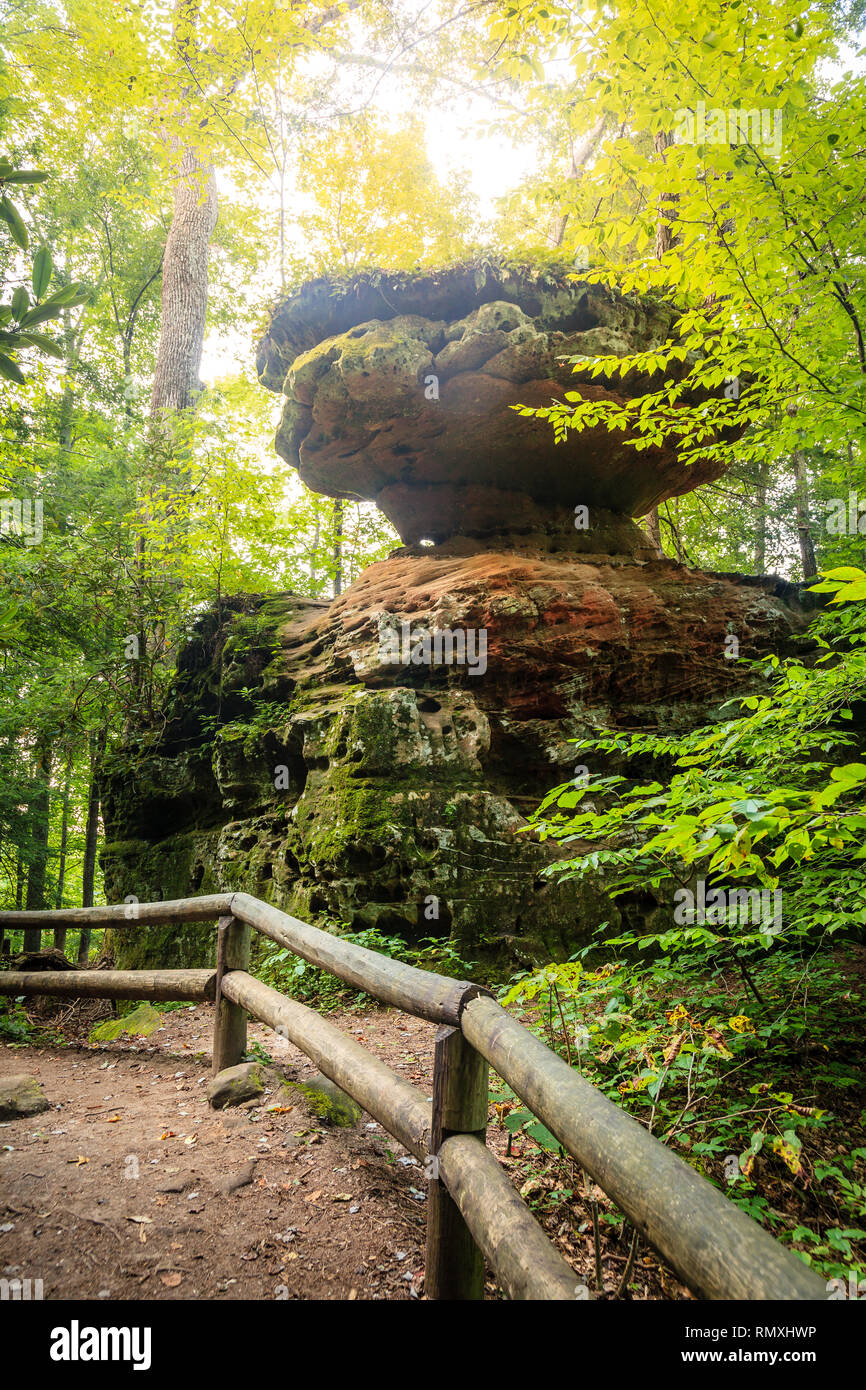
129, 1187
120, 1190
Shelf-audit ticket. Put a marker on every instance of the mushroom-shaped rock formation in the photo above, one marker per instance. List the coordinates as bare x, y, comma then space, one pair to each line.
398, 389
374, 760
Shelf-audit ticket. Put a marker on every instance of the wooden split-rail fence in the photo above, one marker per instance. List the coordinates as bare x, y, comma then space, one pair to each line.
473, 1211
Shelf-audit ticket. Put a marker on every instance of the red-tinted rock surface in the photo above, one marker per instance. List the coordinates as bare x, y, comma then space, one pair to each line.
374, 760
405, 788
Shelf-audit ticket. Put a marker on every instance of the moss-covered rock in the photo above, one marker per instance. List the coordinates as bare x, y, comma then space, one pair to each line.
397, 797
323, 1099
400, 388
21, 1095
137, 1022
237, 1085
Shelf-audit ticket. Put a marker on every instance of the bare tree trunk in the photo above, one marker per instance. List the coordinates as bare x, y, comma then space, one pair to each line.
759, 556
184, 285
804, 525
314, 562
665, 238
41, 806
801, 497
60, 932
338, 547
579, 158
91, 837
654, 530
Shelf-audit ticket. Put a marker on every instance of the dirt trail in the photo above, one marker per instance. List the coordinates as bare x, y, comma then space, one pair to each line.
118, 1191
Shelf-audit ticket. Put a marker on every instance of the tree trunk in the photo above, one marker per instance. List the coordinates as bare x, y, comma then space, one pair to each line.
804, 525
60, 932
665, 238
91, 837
759, 557
579, 159
41, 807
338, 547
184, 284
654, 530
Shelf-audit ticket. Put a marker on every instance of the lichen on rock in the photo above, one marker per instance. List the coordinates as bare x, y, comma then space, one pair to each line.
21, 1096
399, 389
330, 757
397, 797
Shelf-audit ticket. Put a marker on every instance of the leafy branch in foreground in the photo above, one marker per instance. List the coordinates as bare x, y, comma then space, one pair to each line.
769, 800
738, 1042
29, 308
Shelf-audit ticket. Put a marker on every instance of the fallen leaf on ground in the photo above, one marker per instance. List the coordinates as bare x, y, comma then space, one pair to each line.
171, 1281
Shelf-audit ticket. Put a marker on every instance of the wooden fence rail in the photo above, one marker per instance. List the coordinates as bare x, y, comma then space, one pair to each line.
473, 1211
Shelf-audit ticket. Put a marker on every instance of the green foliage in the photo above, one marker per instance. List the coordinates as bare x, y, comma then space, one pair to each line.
14, 1026
733, 1033
27, 309
256, 1053
757, 1099
286, 971
770, 800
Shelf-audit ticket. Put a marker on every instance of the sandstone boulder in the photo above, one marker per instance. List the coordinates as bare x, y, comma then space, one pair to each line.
396, 796
21, 1095
237, 1085
414, 409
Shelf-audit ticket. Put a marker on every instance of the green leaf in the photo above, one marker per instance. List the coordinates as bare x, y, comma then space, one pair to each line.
25, 176
40, 314
542, 1135
10, 370
41, 341
43, 268
69, 295
12, 217
66, 298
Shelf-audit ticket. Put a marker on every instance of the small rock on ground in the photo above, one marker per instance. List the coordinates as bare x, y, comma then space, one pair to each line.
21, 1095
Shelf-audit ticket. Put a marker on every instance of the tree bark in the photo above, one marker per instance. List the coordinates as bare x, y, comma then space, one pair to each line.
338, 547
665, 238
60, 932
654, 530
41, 808
804, 525
579, 159
759, 556
91, 837
184, 284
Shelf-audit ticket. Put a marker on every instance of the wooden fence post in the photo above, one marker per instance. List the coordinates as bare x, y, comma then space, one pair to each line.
455, 1265
230, 1022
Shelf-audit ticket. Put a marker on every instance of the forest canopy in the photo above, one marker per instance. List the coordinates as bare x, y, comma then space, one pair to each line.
263, 144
